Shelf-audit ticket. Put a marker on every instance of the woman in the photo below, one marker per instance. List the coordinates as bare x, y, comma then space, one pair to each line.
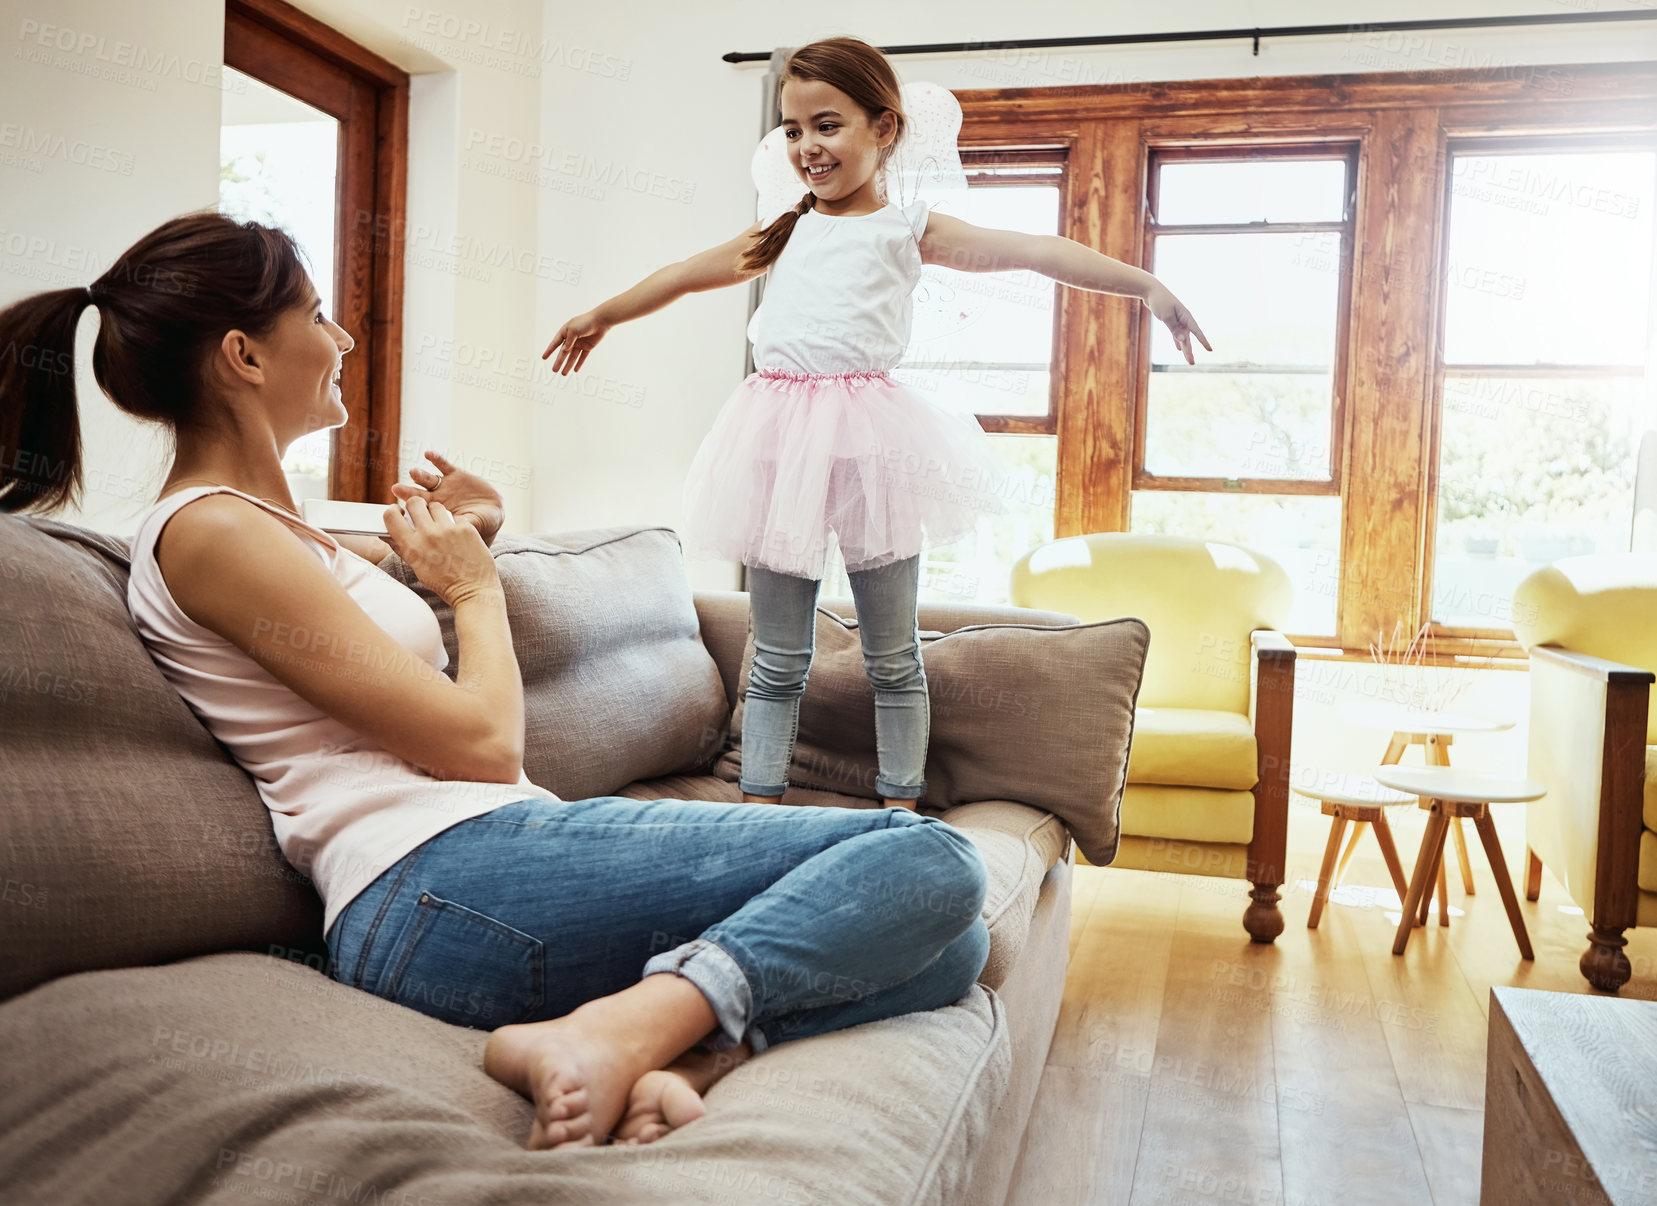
624, 953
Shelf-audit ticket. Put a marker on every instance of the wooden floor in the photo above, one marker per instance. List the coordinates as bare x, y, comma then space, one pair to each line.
1192, 1066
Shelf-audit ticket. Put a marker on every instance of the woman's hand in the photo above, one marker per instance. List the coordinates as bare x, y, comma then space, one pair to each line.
448, 557
574, 340
1181, 325
466, 496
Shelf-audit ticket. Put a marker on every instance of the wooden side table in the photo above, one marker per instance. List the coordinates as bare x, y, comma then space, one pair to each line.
1449, 795
1363, 802
1434, 732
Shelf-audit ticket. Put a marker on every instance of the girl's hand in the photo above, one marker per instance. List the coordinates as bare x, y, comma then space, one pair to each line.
466, 496
574, 340
1181, 325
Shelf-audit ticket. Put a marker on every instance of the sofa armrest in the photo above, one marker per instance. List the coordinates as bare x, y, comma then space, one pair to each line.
1271, 712
1587, 747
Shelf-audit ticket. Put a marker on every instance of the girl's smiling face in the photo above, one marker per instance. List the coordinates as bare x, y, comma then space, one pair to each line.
832, 144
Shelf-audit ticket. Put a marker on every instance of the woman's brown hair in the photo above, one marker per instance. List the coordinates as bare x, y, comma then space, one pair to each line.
862, 73
164, 305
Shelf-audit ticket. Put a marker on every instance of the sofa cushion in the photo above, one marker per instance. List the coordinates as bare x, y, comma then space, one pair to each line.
1193, 814
1034, 713
127, 833
617, 683
1017, 843
1193, 747
240, 1077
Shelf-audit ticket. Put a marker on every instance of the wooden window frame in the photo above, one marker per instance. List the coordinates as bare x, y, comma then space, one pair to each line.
1401, 122
1010, 157
1346, 151
1495, 641
297, 54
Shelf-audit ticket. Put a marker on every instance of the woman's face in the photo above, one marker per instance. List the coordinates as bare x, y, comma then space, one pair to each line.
303, 360
826, 129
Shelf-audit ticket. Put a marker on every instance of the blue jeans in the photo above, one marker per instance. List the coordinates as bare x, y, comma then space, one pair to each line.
784, 609
792, 921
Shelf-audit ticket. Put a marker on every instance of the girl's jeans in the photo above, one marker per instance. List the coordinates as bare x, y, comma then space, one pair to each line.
792, 921
784, 609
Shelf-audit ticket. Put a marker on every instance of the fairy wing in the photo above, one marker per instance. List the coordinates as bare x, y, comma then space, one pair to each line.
925, 165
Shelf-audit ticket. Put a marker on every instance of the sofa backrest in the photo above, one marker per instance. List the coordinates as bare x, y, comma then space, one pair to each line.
129, 836
617, 683
1602, 604
1200, 598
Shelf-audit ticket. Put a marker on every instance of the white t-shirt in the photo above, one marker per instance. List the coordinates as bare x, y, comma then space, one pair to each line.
344, 808
839, 298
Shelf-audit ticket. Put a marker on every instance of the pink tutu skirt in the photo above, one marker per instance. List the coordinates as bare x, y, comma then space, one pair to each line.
794, 456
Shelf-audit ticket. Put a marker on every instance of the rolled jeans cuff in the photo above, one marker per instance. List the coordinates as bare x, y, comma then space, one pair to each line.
725, 985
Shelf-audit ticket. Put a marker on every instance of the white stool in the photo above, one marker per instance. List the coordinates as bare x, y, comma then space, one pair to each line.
1433, 731
1449, 795
1361, 800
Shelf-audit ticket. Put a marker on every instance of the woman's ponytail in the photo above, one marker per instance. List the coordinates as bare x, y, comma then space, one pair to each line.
163, 306
40, 431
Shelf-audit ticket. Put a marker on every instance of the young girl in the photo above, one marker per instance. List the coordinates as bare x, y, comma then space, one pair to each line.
821, 436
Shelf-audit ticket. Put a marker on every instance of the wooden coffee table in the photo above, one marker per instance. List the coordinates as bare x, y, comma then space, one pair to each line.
1570, 1100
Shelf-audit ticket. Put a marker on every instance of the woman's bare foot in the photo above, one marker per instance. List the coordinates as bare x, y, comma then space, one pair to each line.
580, 1069
667, 1098
909, 804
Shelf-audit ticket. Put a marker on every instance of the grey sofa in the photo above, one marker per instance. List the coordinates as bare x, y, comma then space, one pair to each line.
167, 1033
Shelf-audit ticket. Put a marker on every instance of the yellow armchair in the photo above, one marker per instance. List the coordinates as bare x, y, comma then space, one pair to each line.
1208, 770
1590, 626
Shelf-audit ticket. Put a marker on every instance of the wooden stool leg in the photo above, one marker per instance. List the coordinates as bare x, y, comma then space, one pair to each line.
1504, 882
1389, 851
1358, 828
1443, 887
1395, 749
1321, 896
1533, 875
1431, 842
1438, 754
1432, 871
1461, 857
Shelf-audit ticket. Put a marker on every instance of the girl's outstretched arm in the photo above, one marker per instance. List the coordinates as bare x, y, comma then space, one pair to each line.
711, 269
951, 243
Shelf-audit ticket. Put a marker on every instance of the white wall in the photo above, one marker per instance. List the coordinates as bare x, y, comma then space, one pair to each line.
109, 124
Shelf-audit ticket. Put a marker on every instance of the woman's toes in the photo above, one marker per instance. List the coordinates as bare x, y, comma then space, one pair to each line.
567, 1104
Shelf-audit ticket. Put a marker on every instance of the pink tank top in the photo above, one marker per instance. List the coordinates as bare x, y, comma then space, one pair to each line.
344, 808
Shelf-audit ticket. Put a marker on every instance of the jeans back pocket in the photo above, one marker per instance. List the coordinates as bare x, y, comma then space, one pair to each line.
464, 967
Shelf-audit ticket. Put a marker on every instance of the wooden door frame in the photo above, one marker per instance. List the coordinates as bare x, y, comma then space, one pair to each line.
297, 54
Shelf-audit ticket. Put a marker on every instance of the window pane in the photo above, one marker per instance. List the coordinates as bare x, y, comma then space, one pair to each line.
1251, 191
976, 569
989, 317
1261, 299
1273, 425
1302, 533
1550, 258
1530, 470
277, 160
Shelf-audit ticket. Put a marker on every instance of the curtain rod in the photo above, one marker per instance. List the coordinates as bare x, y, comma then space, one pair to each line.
1256, 33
